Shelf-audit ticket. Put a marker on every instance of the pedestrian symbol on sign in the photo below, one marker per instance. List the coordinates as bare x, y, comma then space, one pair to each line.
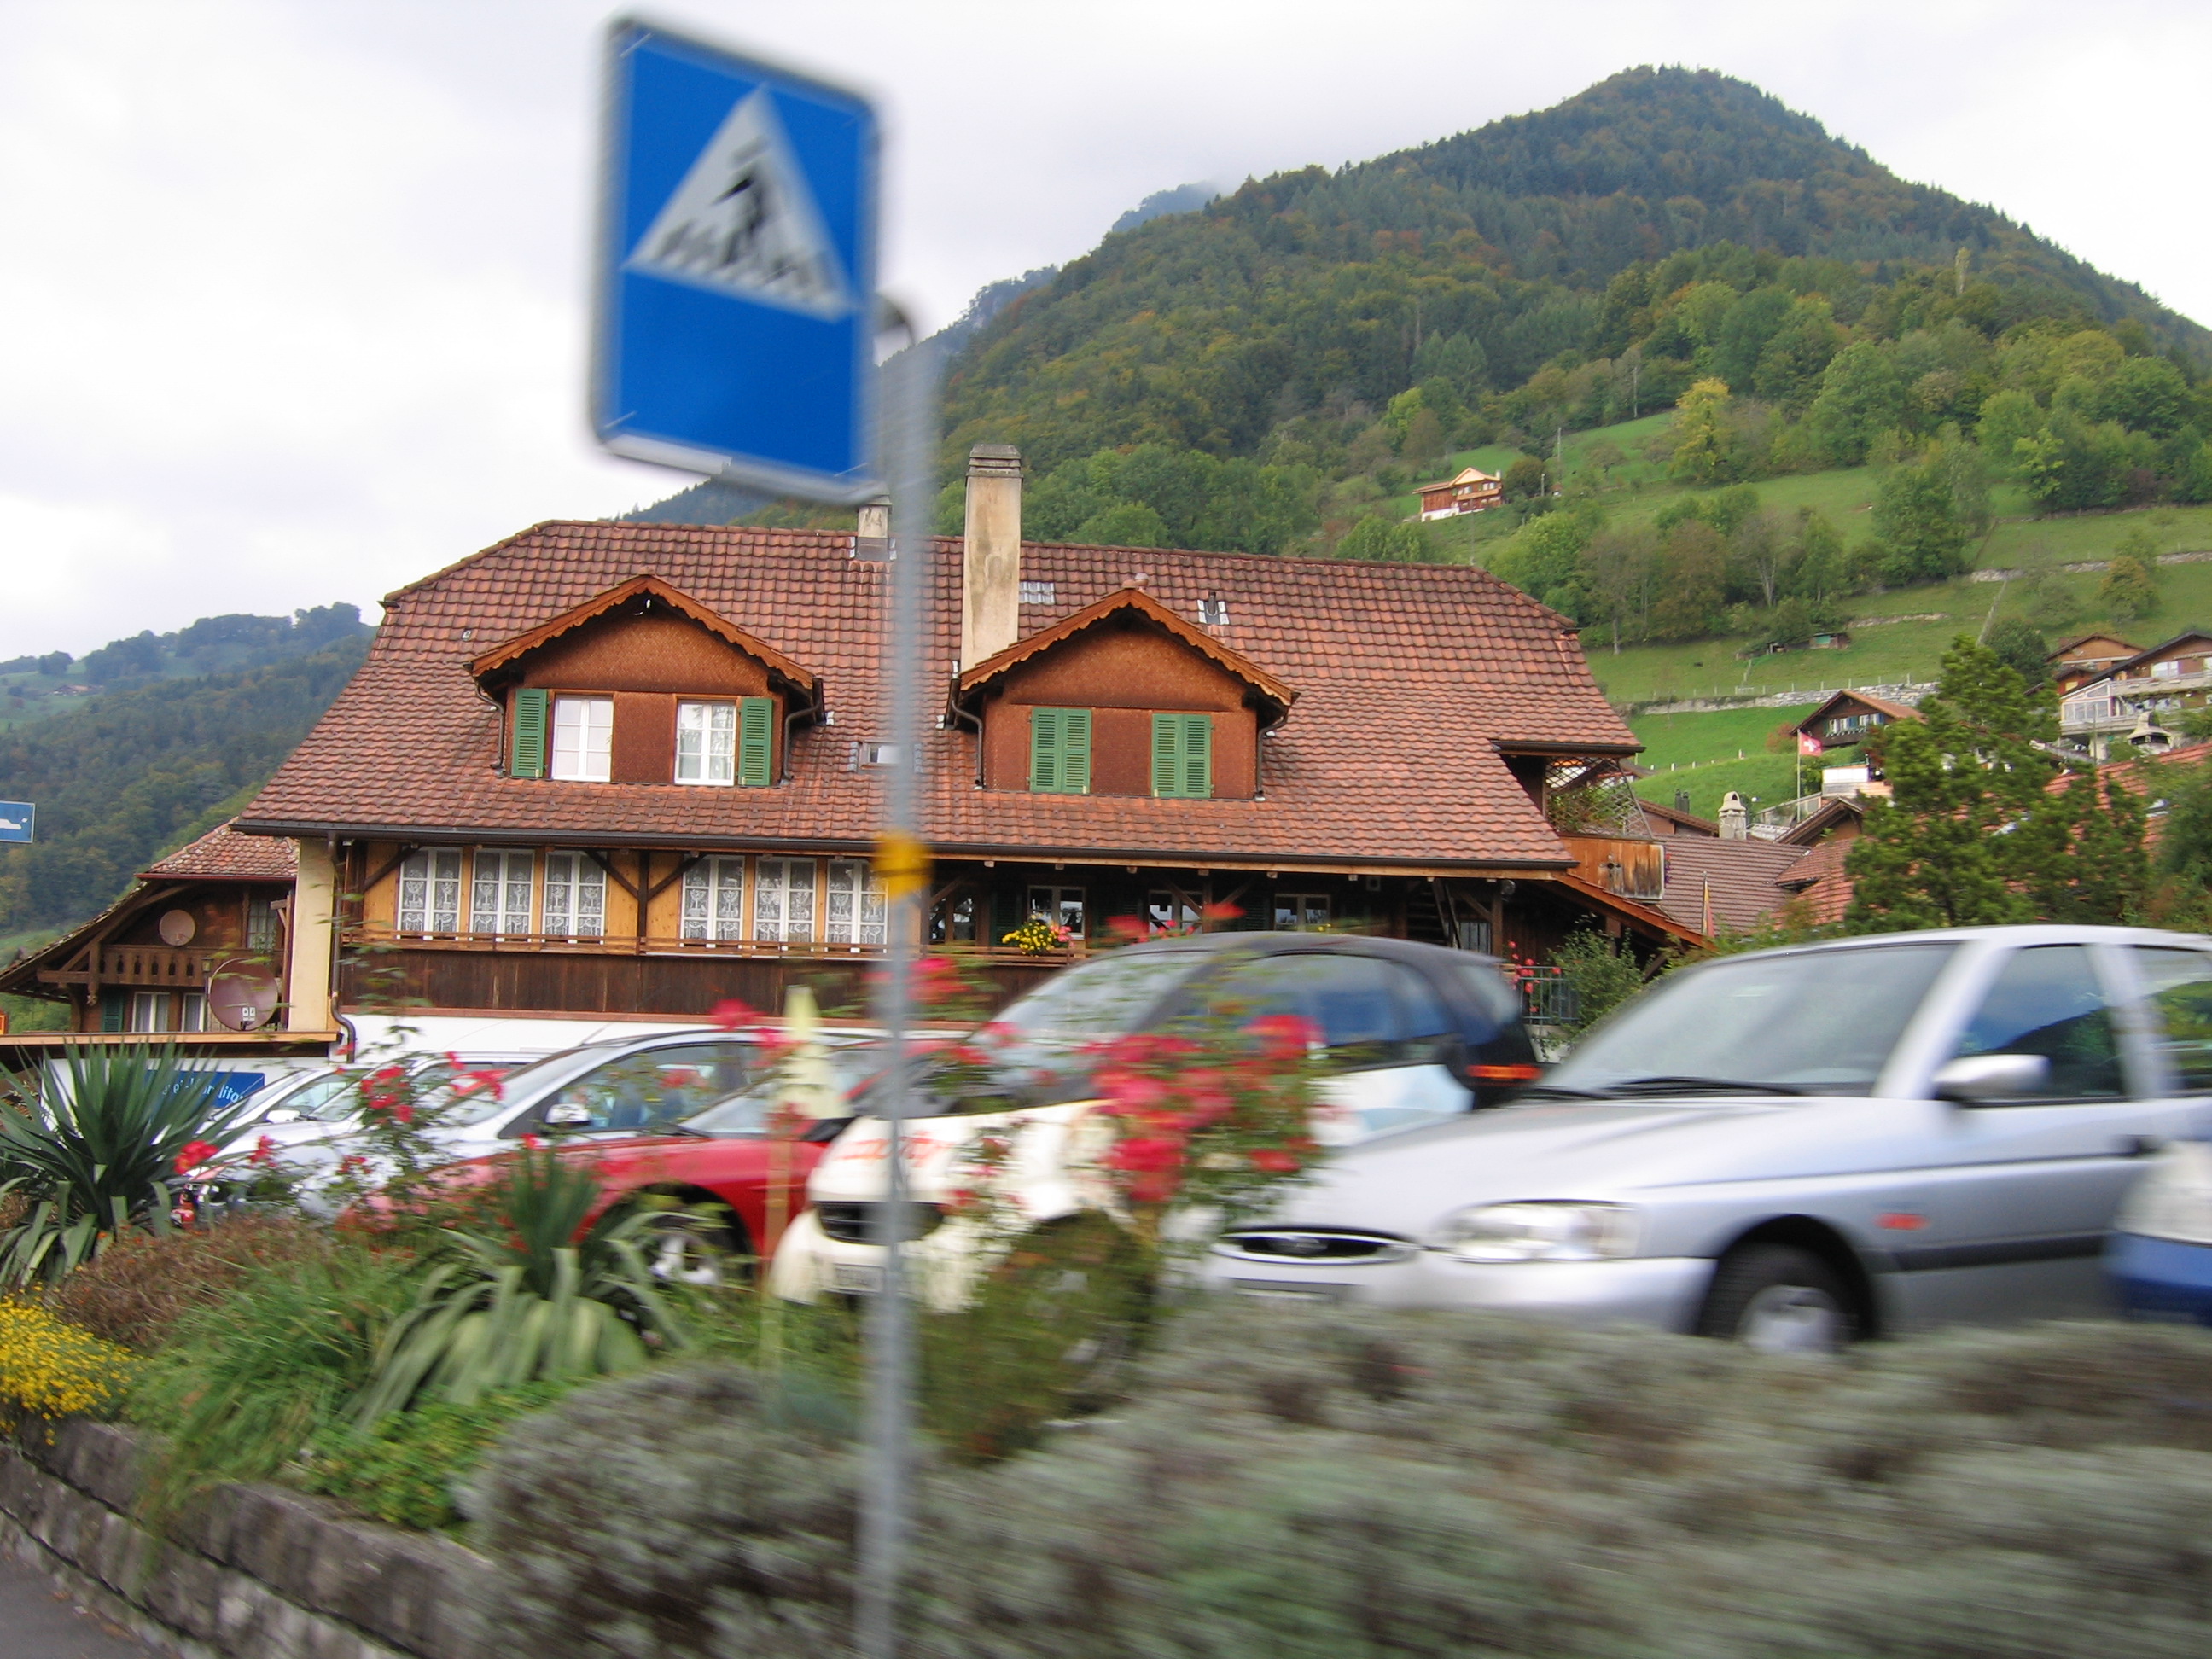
743, 222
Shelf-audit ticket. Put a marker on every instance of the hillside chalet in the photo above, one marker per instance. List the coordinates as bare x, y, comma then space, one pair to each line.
2088, 657
2127, 701
1470, 491
1847, 717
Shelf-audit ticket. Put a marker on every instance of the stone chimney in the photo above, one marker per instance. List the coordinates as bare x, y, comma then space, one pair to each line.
991, 557
875, 520
1736, 820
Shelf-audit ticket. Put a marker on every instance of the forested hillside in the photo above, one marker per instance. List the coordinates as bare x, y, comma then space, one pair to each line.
1272, 371
132, 773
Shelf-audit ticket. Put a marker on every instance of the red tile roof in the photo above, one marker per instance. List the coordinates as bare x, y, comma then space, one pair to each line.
1820, 883
1896, 711
1411, 681
1741, 875
223, 855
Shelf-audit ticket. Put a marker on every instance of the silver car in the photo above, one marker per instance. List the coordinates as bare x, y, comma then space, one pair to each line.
1794, 1147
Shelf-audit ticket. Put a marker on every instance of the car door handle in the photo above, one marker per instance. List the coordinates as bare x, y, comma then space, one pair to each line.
2137, 1145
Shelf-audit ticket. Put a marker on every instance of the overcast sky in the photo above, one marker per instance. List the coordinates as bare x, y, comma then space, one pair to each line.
292, 291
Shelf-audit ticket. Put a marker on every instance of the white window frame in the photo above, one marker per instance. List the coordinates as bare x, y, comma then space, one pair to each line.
583, 739
859, 909
429, 896
191, 1011
707, 744
714, 900
500, 894
783, 900
1302, 906
574, 900
149, 1011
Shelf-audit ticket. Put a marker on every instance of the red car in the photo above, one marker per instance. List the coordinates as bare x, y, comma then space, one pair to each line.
736, 1186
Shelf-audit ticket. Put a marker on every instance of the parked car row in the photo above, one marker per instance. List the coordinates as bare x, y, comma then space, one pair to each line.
1793, 1148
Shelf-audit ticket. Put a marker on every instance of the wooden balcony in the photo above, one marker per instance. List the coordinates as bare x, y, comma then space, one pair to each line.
181, 967
376, 938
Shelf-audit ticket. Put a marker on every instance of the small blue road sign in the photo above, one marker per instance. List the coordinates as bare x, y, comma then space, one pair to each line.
16, 818
734, 332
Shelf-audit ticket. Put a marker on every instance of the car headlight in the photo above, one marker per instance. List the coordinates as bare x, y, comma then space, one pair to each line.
2174, 1200
1544, 1232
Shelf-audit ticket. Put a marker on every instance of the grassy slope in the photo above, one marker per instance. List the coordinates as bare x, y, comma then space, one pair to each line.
1697, 753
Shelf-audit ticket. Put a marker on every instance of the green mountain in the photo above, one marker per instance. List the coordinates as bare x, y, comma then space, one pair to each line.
124, 777
1547, 239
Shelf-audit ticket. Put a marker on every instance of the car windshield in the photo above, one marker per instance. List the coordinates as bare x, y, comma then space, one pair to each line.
746, 1113
1812, 1022
458, 1110
1037, 1042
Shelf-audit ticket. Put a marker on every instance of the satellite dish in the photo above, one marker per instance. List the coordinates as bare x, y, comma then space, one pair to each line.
242, 995
177, 927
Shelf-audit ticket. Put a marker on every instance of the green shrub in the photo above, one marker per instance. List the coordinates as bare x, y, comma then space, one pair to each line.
135, 1292
405, 1469
1294, 1485
243, 1385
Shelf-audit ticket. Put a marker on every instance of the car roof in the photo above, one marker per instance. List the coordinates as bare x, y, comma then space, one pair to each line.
2014, 933
1268, 944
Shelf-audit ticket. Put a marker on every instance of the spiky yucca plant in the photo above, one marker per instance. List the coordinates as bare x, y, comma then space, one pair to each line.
536, 1297
97, 1154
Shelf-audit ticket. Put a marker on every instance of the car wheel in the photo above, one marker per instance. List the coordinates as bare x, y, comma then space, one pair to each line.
1777, 1298
685, 1247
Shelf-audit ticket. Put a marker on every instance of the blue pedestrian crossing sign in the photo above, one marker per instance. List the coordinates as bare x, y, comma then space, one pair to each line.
17, 818
734, 328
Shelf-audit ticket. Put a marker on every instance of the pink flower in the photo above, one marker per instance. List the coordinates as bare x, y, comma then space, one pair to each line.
264, 1153
1283, 1036
1145, 1155
403, 1111
195, 1153
730, 1013
1273, 1159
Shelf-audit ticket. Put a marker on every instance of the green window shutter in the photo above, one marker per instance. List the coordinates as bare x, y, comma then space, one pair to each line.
112, 1006
755, 741
525, 755
1046, 733
1182, 756
1075, 752
1197, 756
1059, 751
1167, 755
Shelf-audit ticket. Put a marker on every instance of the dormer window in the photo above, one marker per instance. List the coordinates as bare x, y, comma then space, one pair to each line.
725, 742
584, 739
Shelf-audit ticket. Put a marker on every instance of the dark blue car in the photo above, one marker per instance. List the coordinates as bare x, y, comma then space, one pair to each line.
2160, 1254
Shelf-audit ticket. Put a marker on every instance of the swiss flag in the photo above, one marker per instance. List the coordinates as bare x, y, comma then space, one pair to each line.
1808, 744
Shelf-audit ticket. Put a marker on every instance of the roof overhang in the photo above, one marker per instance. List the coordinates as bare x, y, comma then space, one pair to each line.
1125, 602
645, 593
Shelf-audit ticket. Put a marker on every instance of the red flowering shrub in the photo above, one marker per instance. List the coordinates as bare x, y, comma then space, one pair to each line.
1217, 1119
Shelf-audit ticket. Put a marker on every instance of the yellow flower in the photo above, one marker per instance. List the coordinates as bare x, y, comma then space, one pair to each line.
51, 1368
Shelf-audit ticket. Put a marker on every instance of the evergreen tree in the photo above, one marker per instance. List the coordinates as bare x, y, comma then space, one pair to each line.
2020, 646
1969, 833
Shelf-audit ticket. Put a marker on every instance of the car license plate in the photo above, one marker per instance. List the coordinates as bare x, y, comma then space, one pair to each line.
856, 1278
1275, 1290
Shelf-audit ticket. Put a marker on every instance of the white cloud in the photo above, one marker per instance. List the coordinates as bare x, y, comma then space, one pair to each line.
291, 306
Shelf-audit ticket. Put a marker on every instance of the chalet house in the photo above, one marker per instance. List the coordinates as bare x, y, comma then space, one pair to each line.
1471, 492
2137, 689
2088, 657
194, 954
1851, 717
638, 767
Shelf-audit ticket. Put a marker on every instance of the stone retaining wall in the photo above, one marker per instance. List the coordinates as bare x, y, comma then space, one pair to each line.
248, 1572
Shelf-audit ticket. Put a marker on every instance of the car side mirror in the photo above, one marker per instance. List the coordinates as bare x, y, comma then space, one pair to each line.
567, 1115
1973, 1079
281, 1114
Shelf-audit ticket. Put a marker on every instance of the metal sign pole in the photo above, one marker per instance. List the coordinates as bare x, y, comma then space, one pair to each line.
910, 431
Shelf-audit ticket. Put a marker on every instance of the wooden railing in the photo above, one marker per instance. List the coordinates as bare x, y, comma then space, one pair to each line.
366, 936
180, 967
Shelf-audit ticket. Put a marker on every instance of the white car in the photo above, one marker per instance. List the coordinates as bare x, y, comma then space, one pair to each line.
1793, 1148
1416, 1035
